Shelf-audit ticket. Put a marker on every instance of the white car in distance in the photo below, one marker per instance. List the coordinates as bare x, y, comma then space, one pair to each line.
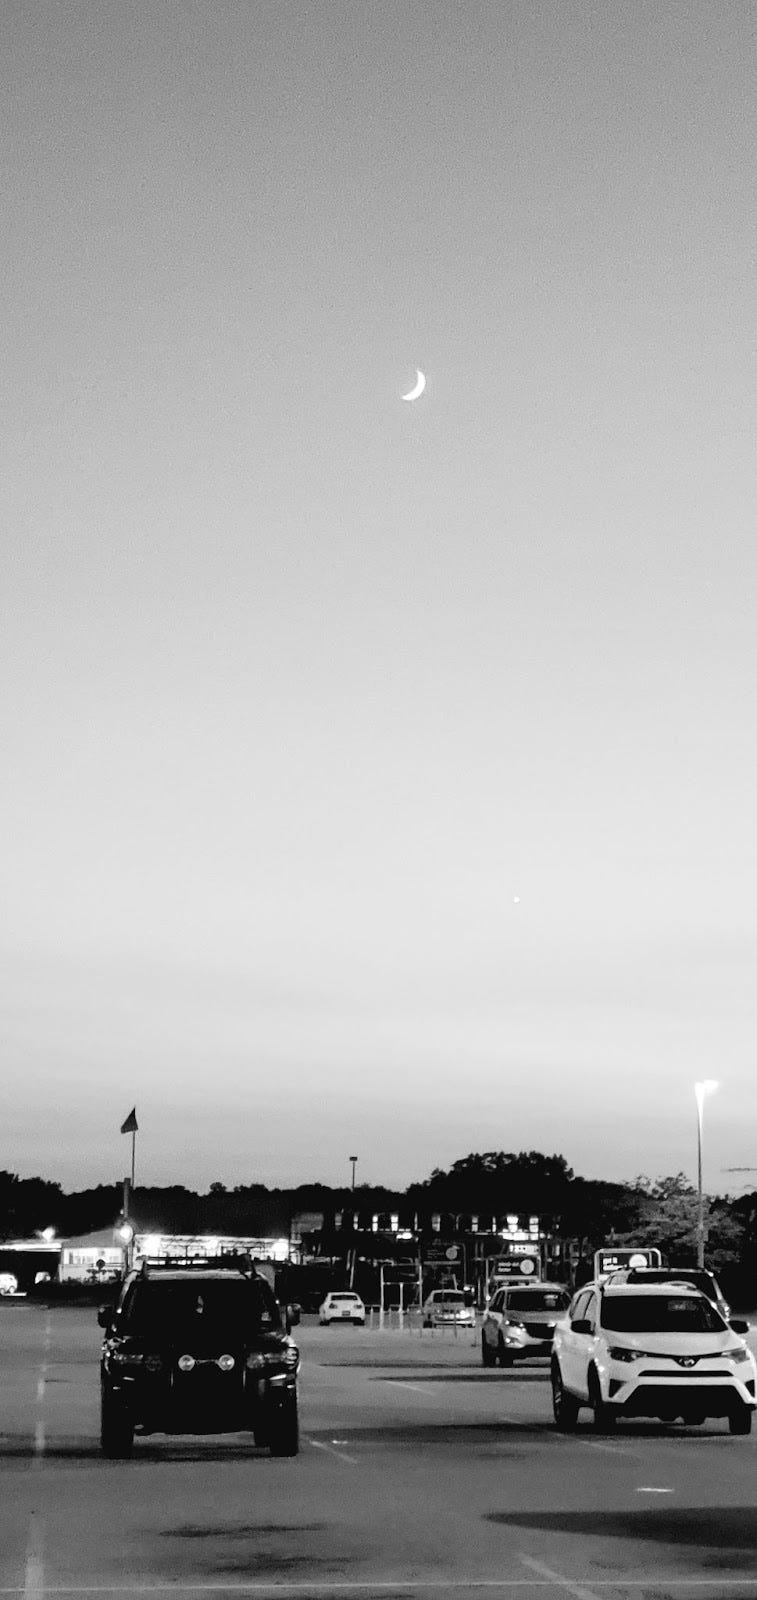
448, 1308
520, 1321
342, 1306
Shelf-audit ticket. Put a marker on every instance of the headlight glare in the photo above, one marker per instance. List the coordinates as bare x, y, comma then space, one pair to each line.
225, 1363
186, 1363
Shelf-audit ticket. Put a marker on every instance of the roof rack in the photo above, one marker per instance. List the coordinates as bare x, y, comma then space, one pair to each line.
228, 1262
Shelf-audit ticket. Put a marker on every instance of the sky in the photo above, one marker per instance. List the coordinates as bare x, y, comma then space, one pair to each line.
379, 777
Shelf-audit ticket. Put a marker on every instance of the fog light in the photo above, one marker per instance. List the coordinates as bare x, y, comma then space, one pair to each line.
186, 1363
225, 1363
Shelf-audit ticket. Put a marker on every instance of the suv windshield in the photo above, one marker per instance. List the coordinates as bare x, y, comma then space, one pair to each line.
446, 1297
636, 1313
538, 1300
233, 1307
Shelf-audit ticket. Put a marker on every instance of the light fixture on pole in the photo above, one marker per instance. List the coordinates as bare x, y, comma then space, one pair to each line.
353, 1159
701, 1093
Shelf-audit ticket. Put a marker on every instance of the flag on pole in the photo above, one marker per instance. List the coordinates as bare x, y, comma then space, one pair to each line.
130, 1125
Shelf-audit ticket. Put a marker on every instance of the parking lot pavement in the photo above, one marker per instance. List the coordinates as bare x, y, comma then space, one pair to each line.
420, 1473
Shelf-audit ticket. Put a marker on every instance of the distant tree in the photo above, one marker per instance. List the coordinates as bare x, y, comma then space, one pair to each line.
27, 1205
495, 1182
668, 1217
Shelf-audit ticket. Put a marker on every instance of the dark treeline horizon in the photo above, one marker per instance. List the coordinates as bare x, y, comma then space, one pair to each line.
488, 1186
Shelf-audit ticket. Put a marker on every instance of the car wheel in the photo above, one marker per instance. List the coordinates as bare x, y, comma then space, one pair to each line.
740, 1421
504, 1356
604, 1416
564, 1407
116, 1429
488, 1356
284, 1437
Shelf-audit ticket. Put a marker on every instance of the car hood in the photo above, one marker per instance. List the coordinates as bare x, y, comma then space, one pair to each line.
677, 1344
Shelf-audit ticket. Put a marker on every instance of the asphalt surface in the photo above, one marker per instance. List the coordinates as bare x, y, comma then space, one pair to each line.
420, 1474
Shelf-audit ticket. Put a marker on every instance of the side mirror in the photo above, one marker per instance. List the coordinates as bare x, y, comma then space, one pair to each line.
739, 1325
581, 1325
293, 1314
104, 1316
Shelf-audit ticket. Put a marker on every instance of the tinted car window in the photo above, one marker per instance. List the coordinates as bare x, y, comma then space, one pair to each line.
578, 1308
234, 1306
443, 1297
538, 1300
660, 1314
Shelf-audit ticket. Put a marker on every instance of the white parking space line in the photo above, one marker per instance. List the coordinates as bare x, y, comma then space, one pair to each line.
34, 1571
577, 1590
39, 1431
319, 1444
613, 1449
417, 1388
503, 1586
652, 1488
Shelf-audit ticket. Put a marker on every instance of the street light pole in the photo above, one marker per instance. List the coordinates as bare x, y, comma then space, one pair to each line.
701, 1091
353, 1159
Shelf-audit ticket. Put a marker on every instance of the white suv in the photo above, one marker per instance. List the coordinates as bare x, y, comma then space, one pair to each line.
520, 1320
661, 1350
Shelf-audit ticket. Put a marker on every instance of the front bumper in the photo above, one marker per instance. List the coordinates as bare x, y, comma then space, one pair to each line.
203, 1400
660, 1393
528, 1341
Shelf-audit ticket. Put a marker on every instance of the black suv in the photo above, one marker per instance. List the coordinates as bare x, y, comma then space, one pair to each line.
198, 1349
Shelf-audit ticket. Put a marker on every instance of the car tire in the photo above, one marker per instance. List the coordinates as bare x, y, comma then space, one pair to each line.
488, 1356
504, 1356
605, 1416
284, 1434
740, 1421
116, 1429
565, 1407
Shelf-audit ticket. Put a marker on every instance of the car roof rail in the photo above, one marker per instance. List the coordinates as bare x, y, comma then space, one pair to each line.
228, 1262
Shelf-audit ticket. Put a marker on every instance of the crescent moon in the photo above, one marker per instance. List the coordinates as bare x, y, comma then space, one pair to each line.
418, 388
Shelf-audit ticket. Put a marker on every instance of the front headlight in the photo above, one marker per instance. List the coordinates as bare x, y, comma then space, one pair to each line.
185, 1363
621, 1352
225, 1363
738, 1355
126, 1358
514, 1322
288, 1358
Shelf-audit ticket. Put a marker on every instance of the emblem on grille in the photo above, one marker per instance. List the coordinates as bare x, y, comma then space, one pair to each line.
687, 1361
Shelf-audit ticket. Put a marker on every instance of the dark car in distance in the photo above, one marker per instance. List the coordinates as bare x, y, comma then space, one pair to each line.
199, 1348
